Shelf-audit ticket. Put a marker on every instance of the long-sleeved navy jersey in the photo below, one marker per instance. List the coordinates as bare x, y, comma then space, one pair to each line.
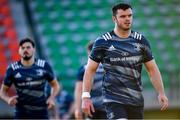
30, 84
122, 60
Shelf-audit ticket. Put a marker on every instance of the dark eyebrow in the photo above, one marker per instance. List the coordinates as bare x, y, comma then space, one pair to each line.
26, 46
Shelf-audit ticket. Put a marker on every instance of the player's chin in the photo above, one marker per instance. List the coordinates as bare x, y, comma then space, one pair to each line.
127, 28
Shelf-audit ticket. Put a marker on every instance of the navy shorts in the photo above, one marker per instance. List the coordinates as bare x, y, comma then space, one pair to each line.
98, 114
26, 114
119, 111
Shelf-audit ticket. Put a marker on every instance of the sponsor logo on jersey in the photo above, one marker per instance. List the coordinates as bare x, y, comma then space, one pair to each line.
124, 53
111, 48
18, 75
107, 36
133, 58
28, 78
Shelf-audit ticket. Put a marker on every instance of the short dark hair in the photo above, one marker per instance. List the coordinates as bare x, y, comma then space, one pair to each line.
90, 45
22, 41
122, 6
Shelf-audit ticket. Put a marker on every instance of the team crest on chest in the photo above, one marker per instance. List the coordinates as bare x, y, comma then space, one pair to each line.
137, 46
39, 72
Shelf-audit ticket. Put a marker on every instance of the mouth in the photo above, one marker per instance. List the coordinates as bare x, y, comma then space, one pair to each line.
127, 23
26, 55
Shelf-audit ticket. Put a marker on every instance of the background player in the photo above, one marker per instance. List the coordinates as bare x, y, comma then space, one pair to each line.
29, 76
96, 92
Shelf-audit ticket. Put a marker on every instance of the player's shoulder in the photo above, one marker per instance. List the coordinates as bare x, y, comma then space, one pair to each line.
15, 65
137, 35
105, 37
40, 62
103, 40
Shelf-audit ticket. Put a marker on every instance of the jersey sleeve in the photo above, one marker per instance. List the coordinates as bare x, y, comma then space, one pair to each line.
98, 50
147, 52
49, 72
8, 79
80, 73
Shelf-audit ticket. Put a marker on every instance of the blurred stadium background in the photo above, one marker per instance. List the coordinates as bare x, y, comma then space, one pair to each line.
62, 28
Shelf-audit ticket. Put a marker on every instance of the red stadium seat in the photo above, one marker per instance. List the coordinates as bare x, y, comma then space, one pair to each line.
11, 34
3, 2
13, 46
15, 56
8, 22
3, 68
2, 48
3, 57
5, 10
1, 21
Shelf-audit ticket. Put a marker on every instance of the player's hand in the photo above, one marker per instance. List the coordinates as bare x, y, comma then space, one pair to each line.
50, 102
87, 106
163, 100
12, 100
78, 114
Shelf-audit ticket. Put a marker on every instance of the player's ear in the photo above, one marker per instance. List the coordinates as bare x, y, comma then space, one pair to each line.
34, 49
114, 19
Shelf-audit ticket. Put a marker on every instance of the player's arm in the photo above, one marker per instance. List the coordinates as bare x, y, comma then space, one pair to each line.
8, 81
55, 88
77, 96
89, 74
87, 105
54, 92
4, 95
156, 79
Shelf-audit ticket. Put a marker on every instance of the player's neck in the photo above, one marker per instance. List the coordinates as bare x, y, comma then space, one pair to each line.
122, 33
28, 63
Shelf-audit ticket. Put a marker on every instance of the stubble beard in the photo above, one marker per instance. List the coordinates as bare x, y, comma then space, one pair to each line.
27, 58
121, 27
126, 29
